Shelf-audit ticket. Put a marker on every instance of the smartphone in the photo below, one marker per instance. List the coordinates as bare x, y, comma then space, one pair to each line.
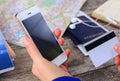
6, 63
38, 30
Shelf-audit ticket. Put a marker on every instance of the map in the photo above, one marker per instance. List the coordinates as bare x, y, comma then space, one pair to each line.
57, 13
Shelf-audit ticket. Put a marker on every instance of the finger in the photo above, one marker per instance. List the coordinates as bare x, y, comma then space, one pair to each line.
117, 60
31, 48
64, 68
67, 52
119, 68
57, 33
117, 48
65, 64
61, 41
119, 38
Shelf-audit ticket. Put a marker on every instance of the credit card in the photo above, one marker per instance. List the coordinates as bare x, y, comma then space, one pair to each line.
101, 50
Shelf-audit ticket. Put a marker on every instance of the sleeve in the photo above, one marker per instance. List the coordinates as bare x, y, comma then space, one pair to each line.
66, 78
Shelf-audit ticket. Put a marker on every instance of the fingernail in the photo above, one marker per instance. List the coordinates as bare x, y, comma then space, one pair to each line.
25, 41
67, 52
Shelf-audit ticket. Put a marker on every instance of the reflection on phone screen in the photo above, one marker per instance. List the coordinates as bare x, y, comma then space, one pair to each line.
42, 36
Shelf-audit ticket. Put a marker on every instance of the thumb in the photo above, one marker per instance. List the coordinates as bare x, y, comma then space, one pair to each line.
31, 48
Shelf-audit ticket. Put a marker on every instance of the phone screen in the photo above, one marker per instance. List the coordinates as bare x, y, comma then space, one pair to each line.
42, 36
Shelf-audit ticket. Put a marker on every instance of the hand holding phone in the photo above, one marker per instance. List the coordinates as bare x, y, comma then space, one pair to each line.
38, 30
41, 66
117, 58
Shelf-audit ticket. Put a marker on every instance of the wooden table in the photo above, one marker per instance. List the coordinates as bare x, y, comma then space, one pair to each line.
78, 63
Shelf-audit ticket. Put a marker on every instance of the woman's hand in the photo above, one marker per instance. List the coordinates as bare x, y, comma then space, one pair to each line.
42, 68
117, 58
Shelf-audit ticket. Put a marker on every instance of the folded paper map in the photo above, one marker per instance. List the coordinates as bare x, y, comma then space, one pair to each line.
109, 12
58, 14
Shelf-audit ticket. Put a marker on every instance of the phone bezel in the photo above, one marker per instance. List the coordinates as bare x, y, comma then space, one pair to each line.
27, 13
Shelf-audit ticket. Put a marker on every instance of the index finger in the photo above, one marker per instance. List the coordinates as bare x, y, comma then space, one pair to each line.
57, 33
31, 48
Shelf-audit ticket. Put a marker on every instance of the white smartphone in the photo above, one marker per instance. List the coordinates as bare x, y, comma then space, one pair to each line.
38, 30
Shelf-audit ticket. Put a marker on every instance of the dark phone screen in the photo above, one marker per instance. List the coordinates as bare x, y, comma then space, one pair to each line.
42, 36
